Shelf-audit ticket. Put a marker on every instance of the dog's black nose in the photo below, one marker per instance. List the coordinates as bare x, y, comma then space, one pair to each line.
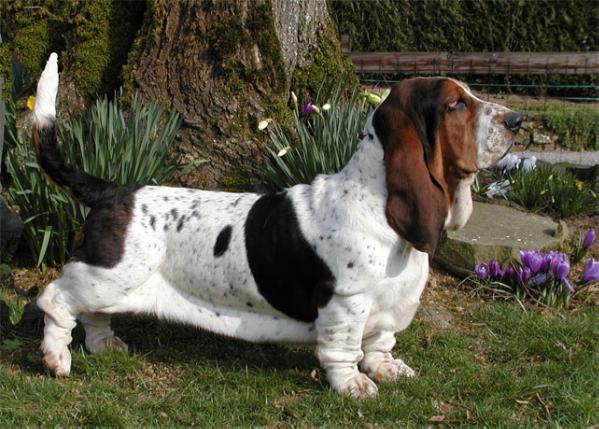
513, 121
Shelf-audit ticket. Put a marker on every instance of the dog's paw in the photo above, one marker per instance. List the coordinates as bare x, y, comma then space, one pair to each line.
58, 362
358, 386
390, 370
107, 343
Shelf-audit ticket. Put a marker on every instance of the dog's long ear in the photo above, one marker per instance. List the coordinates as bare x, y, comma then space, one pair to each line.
417, 200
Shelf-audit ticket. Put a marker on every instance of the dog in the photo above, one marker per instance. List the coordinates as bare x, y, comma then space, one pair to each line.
341, 262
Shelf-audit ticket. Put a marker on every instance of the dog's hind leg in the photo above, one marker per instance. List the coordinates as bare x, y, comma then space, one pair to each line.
98, 335
59, 322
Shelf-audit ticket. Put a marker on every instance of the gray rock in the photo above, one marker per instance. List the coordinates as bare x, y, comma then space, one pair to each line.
497, 232
436, 316
11, 227
541, 139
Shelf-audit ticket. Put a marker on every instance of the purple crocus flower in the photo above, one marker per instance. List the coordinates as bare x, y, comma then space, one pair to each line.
495, 270
307, 109
550, 256
508, 273
559, 255
560, 269
538, 279
523, 274
545, 264
589, 239
591, 271
532, 259
482, 271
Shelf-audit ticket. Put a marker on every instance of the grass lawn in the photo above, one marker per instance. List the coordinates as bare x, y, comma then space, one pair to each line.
495, 364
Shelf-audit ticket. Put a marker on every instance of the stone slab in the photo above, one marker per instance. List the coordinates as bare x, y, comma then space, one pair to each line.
497, 232
583, 158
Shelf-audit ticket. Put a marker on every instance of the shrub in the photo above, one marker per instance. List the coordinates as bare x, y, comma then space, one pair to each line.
124, 147
577, 125
550, 190
475, 26
322, 140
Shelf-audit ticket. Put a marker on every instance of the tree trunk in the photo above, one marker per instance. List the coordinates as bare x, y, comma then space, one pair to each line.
225, 65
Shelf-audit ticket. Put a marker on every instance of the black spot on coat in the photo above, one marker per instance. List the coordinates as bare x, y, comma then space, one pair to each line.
180, 223
288, 272
222, 241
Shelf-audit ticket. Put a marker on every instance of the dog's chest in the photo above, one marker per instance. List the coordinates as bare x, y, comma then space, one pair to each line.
397, 296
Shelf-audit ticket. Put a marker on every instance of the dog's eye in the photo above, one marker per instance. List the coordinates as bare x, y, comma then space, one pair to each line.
456, 105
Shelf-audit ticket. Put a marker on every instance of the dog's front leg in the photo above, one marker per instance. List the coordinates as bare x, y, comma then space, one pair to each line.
339, 328
378, 362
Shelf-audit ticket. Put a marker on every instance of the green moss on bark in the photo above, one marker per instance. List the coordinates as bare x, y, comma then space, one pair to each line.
329, 69
101, 38
230, 41
29, 31
92, 38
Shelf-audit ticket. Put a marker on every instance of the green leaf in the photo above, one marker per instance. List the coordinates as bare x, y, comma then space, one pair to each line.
45, 242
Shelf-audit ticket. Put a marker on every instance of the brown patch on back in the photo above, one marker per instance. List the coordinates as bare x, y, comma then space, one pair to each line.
105, 229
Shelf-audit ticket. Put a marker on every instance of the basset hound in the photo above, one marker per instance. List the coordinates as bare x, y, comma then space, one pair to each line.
340, 262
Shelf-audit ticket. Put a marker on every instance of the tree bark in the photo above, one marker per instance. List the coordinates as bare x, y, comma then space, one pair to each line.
225, 65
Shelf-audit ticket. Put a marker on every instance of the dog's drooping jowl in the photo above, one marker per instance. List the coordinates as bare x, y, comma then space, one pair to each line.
340, 262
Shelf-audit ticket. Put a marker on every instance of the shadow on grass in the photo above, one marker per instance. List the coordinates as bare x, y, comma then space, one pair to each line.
167, 343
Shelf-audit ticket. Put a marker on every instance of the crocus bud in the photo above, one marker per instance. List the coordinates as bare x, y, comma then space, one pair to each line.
589, 239
591, 271
307, 109
560, 270
508, 273
482, 271
495, 269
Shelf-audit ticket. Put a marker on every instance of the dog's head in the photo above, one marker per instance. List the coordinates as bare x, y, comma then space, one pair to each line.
436, 134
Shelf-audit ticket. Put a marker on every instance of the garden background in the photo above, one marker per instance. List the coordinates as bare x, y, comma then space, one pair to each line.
257, 95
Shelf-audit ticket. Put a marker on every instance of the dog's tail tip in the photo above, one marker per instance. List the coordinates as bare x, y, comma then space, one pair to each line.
44, 111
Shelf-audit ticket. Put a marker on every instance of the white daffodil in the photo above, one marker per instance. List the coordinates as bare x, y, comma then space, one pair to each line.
264, 123
373, 99
283, 151
294, 98
326, 106
385, 94
315, 108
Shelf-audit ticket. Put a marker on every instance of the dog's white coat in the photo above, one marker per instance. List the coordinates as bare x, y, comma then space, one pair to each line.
174, 274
